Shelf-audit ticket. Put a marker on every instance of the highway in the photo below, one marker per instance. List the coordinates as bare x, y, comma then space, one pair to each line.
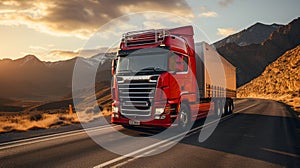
260, 133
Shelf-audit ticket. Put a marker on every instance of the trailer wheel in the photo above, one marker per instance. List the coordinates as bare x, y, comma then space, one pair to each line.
231, 107
227, 107
184, 118
218, 109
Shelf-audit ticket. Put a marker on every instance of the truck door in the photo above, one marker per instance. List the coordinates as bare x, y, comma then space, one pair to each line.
178, 64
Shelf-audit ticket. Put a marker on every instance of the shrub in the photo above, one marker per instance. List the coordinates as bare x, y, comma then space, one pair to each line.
35, 117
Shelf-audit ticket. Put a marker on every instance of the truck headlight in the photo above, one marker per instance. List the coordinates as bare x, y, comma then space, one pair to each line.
115, 109
159, 111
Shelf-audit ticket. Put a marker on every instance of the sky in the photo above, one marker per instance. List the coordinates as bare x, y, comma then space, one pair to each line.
59, 30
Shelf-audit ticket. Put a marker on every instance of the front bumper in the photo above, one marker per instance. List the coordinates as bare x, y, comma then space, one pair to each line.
151, 121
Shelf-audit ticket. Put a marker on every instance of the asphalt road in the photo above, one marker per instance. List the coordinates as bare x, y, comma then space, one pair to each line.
261, 133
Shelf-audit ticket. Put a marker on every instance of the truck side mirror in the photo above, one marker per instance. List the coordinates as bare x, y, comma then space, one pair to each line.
114, 66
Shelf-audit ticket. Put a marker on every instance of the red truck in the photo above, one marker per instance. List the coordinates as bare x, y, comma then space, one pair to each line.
161, 79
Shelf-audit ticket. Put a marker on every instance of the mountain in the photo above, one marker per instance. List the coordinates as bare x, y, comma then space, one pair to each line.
280, 80
29, 78
255, 34
252, 59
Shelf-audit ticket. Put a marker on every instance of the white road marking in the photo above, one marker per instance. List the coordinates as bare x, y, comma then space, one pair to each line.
167, 141
50, 137
141, 155
239, 101
282, 152
246, 108
137, 151
78, 132
151, 146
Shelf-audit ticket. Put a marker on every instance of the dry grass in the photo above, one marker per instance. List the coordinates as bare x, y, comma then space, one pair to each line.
16, 121
23, 122
39, 115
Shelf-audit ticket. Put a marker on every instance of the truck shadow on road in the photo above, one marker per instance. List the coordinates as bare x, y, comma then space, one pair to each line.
272, 139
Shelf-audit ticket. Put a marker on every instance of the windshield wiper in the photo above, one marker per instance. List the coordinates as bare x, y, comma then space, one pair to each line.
156, 69
125, 70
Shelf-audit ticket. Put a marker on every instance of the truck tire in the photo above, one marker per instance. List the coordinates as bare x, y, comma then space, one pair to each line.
227, 107
184, 118
231, 106
217, 108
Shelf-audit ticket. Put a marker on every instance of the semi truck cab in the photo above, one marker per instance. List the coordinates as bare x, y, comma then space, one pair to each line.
155, 80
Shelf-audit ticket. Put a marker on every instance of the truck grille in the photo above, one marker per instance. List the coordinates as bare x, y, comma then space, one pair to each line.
136, 96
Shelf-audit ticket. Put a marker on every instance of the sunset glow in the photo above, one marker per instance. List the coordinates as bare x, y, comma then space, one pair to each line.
46, 28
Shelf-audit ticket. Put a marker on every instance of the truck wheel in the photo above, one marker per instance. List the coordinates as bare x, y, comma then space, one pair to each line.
231, 107
184, 118
218, 109
223, 107
226, 108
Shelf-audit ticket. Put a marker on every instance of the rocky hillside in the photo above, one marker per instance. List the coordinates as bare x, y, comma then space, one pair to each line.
255, 34
279, 81
252, 59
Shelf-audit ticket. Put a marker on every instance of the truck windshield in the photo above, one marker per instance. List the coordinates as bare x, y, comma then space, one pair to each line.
147, 62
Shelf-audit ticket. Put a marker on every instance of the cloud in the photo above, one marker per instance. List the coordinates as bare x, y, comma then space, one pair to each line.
35, 50
203, 9
224, 32
169, 17
60, 55
208, 14
153, 25
79, 18
225, 3
205, 12
65, 54
47, 54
